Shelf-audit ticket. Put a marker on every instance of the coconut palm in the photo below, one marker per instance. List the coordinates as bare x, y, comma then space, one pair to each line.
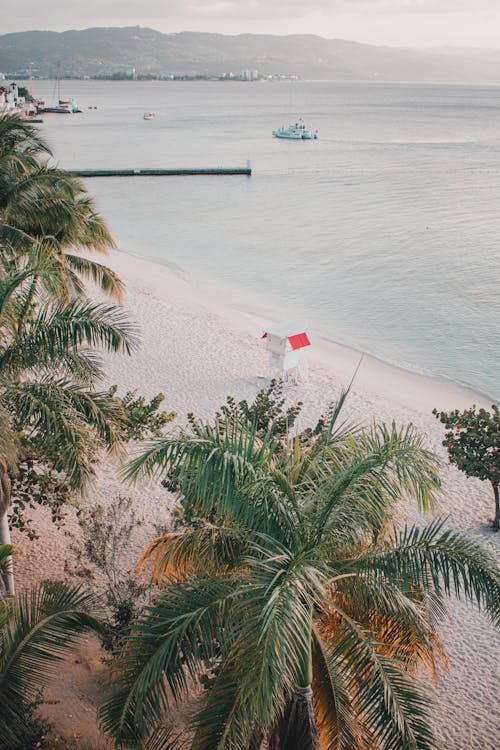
37, 629
43, 208
289, 597
49, 365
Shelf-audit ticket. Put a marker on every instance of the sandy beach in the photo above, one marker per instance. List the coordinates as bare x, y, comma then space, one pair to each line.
198, 346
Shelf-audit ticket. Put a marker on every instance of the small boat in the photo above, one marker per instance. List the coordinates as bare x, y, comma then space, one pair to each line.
296, 132
149, 116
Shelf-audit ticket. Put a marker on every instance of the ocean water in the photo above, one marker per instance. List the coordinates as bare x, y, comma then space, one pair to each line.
384, 234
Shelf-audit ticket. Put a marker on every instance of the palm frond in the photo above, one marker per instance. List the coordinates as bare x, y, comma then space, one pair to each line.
64, 413
106, 279
439, 561
37, 629
223, 723
210, 465
18, 137
368, 473
6, 552
167, 650
275, 617
206, 549
340, 727
404, 620
390, 701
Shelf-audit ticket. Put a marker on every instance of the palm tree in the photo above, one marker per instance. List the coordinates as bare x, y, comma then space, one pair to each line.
48, 329
45, 209
289, 597
37, 629
49, 365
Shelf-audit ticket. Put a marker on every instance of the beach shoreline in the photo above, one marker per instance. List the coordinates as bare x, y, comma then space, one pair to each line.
371, 374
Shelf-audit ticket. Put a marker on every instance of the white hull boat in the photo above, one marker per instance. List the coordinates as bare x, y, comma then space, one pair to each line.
296, 132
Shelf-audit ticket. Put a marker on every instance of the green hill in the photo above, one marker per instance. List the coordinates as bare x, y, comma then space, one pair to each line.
104, 51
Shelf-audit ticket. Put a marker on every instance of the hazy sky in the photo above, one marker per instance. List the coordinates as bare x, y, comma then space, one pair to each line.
419, 23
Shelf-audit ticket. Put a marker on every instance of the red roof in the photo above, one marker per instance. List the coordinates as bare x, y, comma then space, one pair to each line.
299, 341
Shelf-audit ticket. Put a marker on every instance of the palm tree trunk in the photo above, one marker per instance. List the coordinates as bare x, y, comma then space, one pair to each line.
298, 728
8, 576
496, 521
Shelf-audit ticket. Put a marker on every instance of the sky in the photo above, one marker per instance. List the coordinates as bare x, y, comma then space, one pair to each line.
408, 23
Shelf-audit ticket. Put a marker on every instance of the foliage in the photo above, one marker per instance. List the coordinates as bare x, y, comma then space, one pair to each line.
6, 552
35, 482
292, 577
106, 534
267, 413
37, 629
52, 417
473, 443
143, 419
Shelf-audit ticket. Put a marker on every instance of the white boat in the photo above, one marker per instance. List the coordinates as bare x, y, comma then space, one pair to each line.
296, 132
149, 115
70, 105
60, 106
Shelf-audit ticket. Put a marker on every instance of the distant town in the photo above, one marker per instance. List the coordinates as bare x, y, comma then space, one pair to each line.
132, 75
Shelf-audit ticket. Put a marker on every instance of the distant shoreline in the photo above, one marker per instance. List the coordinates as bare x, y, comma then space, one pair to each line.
137, 51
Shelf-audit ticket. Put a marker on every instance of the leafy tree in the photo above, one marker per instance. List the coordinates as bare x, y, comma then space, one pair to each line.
268, 412
37, 628
473, 443
289, 598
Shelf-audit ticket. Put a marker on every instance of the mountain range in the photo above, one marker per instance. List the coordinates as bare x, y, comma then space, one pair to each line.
107, 51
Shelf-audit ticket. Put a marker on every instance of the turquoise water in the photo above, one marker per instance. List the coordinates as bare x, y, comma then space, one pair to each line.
383, 235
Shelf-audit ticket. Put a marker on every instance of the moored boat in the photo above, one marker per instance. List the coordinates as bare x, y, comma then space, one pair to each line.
57, 110
296, 132
149, 116
70, 104
63, 106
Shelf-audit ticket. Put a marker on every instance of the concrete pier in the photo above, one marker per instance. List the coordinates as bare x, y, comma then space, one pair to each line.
160, 172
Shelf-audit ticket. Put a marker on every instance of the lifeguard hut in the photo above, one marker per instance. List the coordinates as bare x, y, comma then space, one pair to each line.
284, 344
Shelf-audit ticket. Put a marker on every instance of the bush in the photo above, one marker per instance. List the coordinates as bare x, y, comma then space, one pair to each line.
143, 419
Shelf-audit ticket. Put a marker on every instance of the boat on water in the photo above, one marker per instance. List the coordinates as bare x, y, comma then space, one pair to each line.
56, 110
296, 132
63, 106
70, 104
149, 116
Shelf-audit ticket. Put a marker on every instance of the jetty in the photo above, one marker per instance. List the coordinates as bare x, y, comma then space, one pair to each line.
158, 172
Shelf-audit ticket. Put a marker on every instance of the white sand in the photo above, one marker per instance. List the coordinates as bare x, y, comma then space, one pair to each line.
197, 348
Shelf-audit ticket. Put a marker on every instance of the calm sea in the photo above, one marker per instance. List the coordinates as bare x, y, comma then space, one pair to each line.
383, 234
